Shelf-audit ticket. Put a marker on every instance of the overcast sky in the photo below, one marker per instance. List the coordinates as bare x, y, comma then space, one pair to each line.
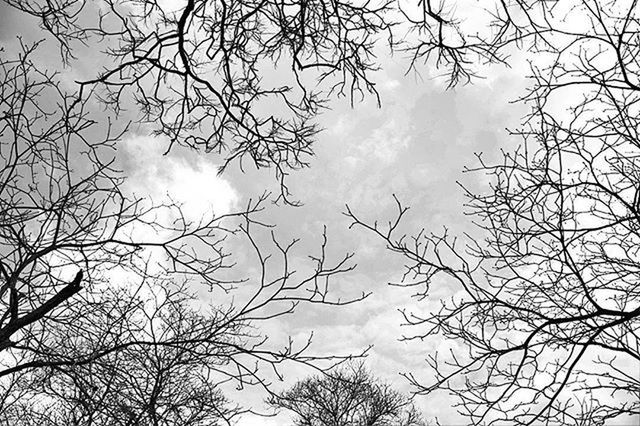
415, 146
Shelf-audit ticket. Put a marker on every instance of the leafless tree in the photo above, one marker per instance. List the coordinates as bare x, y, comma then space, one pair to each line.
203, 73
347, 396
155, 361
103, 320
248, 78
544, 324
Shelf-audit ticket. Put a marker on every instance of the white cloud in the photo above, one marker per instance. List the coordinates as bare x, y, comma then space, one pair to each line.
390, 85
194, 183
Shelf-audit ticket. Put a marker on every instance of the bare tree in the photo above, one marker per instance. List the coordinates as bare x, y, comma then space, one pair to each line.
204, 75
101, 321
547, 303
248, 78
155, 361
347, 396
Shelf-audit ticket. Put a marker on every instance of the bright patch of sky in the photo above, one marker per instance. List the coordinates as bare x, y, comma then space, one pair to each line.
192, 182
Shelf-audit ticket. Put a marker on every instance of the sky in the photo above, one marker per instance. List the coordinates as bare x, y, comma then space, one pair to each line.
414, 146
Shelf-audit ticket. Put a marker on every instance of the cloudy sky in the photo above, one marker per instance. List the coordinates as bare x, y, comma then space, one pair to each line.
414, 146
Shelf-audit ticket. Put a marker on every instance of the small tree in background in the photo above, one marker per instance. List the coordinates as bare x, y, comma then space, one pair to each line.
347, 396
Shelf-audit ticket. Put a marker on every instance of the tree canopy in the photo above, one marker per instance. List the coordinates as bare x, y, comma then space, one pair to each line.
546, 306
347, 396
103, 319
